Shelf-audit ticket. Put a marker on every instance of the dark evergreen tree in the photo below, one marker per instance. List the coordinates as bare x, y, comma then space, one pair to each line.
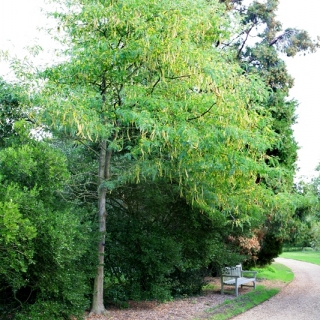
263, 56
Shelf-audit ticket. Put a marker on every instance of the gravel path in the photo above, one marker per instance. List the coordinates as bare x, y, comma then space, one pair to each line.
300, 300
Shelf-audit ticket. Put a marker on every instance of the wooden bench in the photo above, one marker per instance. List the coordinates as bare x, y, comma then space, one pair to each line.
235, 276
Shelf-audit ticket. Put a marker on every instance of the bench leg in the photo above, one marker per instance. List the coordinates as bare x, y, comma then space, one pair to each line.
236, 285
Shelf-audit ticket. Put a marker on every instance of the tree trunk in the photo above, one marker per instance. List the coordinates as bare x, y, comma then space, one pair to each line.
103, 175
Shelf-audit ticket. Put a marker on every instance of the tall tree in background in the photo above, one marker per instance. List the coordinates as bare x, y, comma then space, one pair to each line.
263, 56
143, 82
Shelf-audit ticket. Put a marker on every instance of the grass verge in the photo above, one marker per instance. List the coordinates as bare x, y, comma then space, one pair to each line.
233, 307
276, 272
307, 256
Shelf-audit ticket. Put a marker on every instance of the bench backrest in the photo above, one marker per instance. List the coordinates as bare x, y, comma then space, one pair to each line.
229, 272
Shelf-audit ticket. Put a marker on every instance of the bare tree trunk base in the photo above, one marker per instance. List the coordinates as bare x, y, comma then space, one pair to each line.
103, 312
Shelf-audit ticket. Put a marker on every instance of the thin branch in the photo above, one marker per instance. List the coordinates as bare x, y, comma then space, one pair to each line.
245, 40
94, 151
118, 100
179, 77
134, 71
113, 202
155, 84
281, 37
120, 44
202, 114
233, 40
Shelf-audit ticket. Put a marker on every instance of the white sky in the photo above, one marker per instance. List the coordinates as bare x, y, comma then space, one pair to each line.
19, 23
19, 20
306, 72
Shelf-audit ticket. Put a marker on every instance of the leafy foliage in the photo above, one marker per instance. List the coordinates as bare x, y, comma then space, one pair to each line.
16, 247
43, 239
10, 111
271, 248
144, 82
262, 56
152, 95
157, 245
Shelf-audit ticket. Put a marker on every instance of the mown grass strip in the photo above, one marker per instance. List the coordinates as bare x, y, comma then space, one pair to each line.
306, 256
231, 308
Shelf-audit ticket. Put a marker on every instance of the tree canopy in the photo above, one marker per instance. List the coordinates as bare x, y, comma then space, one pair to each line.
144, 81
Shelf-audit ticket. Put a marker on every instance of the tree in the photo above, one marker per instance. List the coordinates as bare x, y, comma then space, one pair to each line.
143, 82
262, 56
305, 231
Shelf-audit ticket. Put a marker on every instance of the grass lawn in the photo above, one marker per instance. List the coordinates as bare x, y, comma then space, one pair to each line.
231, 308
276, 271
307, 256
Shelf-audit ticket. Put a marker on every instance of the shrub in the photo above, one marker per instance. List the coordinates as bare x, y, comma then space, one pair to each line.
157, 245
47, 265
271, 247
248, 247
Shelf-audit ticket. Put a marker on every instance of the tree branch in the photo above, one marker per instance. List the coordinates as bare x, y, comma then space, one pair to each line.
245, 40
202, 114
178, 77
155, 84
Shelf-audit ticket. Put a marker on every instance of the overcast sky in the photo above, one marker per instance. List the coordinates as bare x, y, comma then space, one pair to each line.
19, 20
306, 72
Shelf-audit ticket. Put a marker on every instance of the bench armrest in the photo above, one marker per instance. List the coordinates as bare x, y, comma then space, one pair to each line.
252, 272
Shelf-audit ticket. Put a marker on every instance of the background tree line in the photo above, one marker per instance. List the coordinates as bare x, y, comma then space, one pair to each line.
160, 150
